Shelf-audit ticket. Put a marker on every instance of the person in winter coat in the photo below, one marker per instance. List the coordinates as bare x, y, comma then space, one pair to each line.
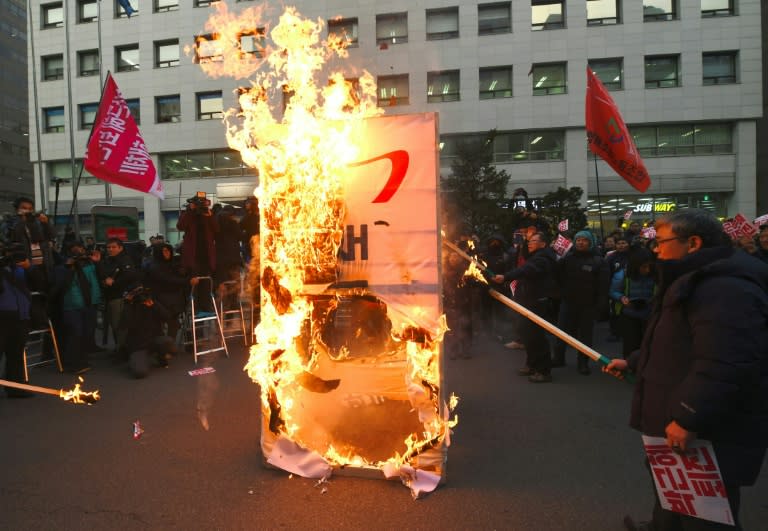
142, 323
457, 304
15, 306
76, 294
534, 285
583, 280
631, 292
495, 314
702, 369
169, 285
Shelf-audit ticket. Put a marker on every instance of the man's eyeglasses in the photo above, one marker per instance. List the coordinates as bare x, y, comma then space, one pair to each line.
665, 240
534, 241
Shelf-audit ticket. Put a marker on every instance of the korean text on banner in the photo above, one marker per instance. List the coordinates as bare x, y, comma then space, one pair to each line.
116, 152
609, 138
688, 483
738, 227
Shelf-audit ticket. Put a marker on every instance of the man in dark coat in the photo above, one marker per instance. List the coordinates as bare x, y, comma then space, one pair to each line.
534, 284
583, 280
116, 272
198, 250
702, 369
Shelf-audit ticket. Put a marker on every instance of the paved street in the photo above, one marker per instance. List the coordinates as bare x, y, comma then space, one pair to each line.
537, 457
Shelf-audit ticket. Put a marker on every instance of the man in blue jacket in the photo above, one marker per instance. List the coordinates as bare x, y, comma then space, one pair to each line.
702, 369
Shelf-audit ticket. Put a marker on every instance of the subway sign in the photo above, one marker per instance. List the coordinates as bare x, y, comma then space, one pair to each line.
666, 206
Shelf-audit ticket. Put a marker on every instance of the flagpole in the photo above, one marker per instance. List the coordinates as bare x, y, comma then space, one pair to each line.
107, 186
41, 177
75, 181
599, 204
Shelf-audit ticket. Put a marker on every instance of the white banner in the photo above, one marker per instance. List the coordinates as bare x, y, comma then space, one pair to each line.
391, 236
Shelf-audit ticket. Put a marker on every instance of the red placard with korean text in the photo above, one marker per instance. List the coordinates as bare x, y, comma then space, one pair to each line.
688, 483
738, 227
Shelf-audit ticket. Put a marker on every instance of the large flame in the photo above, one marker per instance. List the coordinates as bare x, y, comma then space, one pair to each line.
297, 132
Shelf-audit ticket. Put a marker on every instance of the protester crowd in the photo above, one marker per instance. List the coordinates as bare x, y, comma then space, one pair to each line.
689, 305
140, 291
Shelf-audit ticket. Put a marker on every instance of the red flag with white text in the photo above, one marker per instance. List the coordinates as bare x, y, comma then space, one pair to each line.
609, 138
116, 152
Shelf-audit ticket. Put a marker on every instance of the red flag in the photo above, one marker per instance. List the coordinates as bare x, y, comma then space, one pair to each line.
116, 153
608, 137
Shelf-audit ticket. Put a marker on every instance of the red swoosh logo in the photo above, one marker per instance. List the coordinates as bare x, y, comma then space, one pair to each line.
399, 160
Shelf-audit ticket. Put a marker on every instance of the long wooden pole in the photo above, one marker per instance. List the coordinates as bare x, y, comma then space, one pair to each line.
525, 312
33, 388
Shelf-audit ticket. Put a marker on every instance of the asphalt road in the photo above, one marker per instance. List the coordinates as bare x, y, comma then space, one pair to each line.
543, 457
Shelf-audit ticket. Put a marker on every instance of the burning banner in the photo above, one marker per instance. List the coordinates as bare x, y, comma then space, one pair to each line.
348, 347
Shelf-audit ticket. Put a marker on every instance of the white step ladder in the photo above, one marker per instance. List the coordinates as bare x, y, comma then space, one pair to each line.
212, 321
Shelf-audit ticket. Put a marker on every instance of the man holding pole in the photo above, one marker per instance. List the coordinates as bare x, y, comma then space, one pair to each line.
532, 284
703, 365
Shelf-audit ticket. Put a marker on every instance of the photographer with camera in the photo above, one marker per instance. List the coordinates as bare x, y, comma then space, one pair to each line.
32, 230
198, 251
15, 307
76, 293
142, 327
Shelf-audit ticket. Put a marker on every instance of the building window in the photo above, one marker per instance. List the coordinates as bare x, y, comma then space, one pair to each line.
662, 71
610, 72
210, 106
87, 114
207, 49
87, 11
345, 30
718, 8
443, 86
442, 23
88, 63
53, 15
509, 147
603, 12
495, 82
683, 139
549, 78
193, 165
167, 53
392, 28
494, 18
120, 6
533, 145
659, 10
135, 107
165, 5
253, 42
392, 90
53, 119
168, 109
204, 3
127, 57
719, 67
547, 14
53, 67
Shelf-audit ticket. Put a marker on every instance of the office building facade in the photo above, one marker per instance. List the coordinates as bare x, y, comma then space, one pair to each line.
686, 74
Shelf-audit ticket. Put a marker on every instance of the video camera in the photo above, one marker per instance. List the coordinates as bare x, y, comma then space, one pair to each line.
12, 253
201, 202
137, 295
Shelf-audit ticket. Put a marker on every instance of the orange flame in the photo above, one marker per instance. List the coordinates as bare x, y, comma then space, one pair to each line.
78, 396
301, 154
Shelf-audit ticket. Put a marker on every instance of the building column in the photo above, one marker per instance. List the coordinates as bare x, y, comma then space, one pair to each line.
153, 217
576, 163
744, 198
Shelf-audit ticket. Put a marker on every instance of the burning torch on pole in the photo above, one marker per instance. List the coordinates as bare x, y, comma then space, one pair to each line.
75, 395
525, 312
